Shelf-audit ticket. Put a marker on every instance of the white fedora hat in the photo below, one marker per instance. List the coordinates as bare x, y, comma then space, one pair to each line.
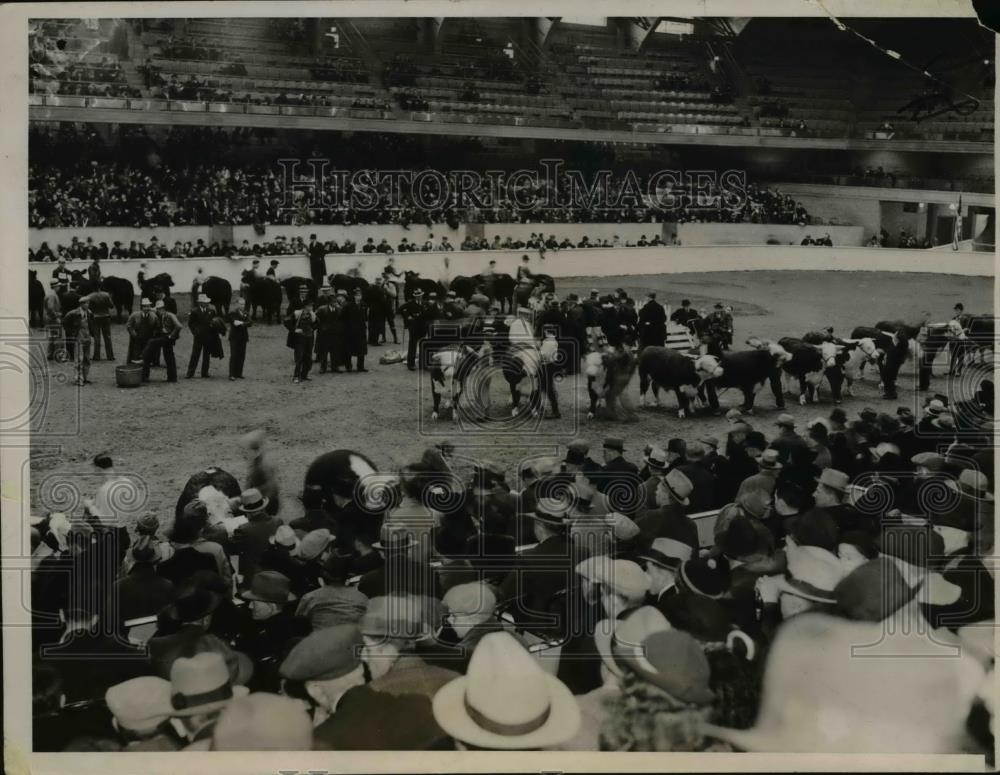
505, 701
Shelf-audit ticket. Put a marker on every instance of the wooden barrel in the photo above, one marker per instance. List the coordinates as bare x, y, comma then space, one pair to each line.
128, 376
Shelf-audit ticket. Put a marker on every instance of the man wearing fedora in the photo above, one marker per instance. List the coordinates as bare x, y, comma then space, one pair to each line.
271, 626
787, 442
415, 321
164, 336
543, 570
403, 570
205, 338
252, 539
506, 701
619, 477
670, 515
393, 711
200, 688
661, 559
769, 467
239, 322
705, 485
301, 325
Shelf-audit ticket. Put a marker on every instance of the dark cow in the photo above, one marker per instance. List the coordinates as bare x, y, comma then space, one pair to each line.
122, 294
264, 294
503, 291
348, 283
344, 477
36, 300
161, 282
293, 287
749, 370
414, 280
214, 487
80, 283
463, 286
672, 370
811, 362
895, 348
608, 373
219, 292
69, 300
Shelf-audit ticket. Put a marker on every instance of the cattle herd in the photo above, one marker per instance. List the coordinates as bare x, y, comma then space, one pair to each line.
504, 342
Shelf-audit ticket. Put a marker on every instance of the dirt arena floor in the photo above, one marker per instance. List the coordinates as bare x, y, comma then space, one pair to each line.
162, 433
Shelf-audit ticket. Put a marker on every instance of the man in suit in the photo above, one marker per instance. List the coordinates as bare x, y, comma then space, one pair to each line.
540, 572
77, 324
379, 313
652, 323
355, 316
704, 494
239, 322
317, 259
619, 478
686, 315
325, 314
787, 442
141, 327
252, 539
669, 518
167, 329
200, 324
415, 321
301, 324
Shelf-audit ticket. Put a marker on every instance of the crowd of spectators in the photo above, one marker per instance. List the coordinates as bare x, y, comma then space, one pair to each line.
282, 245
759, 205
75, 179
386, 618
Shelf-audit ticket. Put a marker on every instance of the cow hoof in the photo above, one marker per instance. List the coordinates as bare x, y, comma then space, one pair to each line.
681, 414
802, 400
434, 415
590, 415
513, 412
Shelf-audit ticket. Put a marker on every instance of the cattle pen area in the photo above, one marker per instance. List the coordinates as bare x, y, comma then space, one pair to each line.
163, 433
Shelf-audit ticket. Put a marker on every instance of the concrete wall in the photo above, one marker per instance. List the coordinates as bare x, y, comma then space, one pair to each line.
760, 233
628, 232
596, 262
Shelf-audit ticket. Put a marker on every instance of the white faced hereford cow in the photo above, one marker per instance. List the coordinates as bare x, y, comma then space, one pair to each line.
669, 369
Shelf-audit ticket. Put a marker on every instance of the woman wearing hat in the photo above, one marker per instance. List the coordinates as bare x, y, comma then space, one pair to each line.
665, 697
